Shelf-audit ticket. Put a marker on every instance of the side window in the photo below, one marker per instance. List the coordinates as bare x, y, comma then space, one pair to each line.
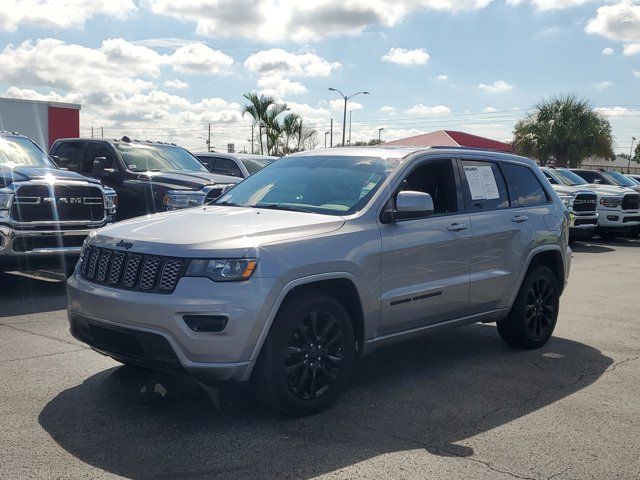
71, 155
484, 186
225, 166
438, 180
552, 180
524, 187
208, 162
95, 150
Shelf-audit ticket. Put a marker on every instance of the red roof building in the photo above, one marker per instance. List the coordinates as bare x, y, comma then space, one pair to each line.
451, 138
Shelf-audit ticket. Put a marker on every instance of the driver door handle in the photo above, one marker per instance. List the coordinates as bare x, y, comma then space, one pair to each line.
520, 218
457, 227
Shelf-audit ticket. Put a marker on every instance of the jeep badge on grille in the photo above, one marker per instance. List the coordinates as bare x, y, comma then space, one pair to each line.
125, 245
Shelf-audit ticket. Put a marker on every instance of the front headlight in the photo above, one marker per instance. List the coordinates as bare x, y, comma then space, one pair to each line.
567, 200
110, 201
222, 270
611, 202
176, 199
6, 198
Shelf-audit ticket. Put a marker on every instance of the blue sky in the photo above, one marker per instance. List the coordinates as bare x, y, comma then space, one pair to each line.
164, 69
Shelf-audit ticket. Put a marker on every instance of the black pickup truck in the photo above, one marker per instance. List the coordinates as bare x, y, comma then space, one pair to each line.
149, 177
45, 212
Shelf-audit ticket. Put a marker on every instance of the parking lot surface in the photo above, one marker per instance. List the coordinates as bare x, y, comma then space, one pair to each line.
457, 404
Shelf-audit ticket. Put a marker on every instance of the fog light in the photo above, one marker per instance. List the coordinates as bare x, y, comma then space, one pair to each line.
206, 323
612, 218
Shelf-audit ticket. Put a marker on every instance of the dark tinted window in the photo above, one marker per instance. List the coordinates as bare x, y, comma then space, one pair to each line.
590, 176
524, 188
208, 162
552, 180
435, 178
71, 155
484, 186
96, 150
225, 166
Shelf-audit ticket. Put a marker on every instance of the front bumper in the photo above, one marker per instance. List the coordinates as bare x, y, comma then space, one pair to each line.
582, 224
149, 329
617, 219
40, 243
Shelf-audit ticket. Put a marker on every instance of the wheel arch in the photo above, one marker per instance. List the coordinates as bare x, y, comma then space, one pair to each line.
340, 285
549, 256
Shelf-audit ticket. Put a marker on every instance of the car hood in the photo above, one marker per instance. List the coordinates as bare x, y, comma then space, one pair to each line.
609, 189
25, 174
186, 180
570, 190
213, 230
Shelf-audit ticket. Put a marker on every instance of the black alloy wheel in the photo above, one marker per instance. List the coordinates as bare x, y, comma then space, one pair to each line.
314, 355
540, 308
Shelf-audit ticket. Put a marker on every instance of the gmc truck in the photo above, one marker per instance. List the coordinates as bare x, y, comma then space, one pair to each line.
45, 212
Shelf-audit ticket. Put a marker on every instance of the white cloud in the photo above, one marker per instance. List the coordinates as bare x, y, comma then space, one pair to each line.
489, 109
608, 51
59, 13
387, 109
498, 86
199, 58
442, 78
275, 86
617, 22
631, 49
602, 85
618, 111
338, 105
402, 56
279, 61
303, 22
636, 73
176, 84
421, 109
545, 5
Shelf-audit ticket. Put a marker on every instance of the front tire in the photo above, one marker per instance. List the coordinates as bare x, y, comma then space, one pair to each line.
534, 313
306, 360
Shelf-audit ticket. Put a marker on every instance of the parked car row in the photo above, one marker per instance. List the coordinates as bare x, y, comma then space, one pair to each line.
602, 202
49, 204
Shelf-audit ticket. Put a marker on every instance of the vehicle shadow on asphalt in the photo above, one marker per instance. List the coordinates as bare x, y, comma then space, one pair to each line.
23, 296
425, 394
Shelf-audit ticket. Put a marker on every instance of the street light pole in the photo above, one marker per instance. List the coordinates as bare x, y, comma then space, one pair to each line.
325, 139
344, 116
633, 139
379, 137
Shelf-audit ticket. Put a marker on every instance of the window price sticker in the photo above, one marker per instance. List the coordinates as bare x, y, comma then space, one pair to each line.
482, 183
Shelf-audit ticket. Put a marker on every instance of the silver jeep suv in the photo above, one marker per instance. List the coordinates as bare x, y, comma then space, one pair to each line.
324, 256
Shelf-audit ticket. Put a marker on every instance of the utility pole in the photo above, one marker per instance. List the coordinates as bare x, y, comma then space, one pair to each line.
331, 136
346, 100
633, 139
252, 138
325, 139
102, 132
349, 127
209, 140
91, 132
379, 137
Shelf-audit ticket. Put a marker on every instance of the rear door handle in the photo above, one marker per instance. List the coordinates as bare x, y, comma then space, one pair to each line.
520, 218
457, 227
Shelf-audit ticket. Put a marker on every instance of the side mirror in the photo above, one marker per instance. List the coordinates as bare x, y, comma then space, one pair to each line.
61, 162
101, 167
409, 205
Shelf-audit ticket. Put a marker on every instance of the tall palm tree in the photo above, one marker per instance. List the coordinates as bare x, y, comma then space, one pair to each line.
257, 108
290, 129
273, 128
565, 130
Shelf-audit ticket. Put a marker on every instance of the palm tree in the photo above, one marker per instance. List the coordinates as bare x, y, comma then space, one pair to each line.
257, 108
564, 130
274, 129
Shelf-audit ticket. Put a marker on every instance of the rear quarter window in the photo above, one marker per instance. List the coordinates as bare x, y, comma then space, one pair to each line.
524, 187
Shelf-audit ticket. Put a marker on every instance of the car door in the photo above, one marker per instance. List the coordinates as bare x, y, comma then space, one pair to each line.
70, 155
501, 235
425, 261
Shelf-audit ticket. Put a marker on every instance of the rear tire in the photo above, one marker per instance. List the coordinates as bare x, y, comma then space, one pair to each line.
534, 313
306, 360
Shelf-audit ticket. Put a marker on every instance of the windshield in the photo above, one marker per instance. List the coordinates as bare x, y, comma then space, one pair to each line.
569, 178
619, 179
21, 152
158, 158
329, 185
254, 164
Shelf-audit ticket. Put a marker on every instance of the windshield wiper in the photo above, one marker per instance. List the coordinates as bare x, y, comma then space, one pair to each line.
227, 204
275, 206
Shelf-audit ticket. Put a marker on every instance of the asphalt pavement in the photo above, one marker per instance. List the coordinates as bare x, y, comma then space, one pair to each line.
456, 404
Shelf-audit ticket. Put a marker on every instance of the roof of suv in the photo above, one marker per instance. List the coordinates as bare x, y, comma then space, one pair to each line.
124, 140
